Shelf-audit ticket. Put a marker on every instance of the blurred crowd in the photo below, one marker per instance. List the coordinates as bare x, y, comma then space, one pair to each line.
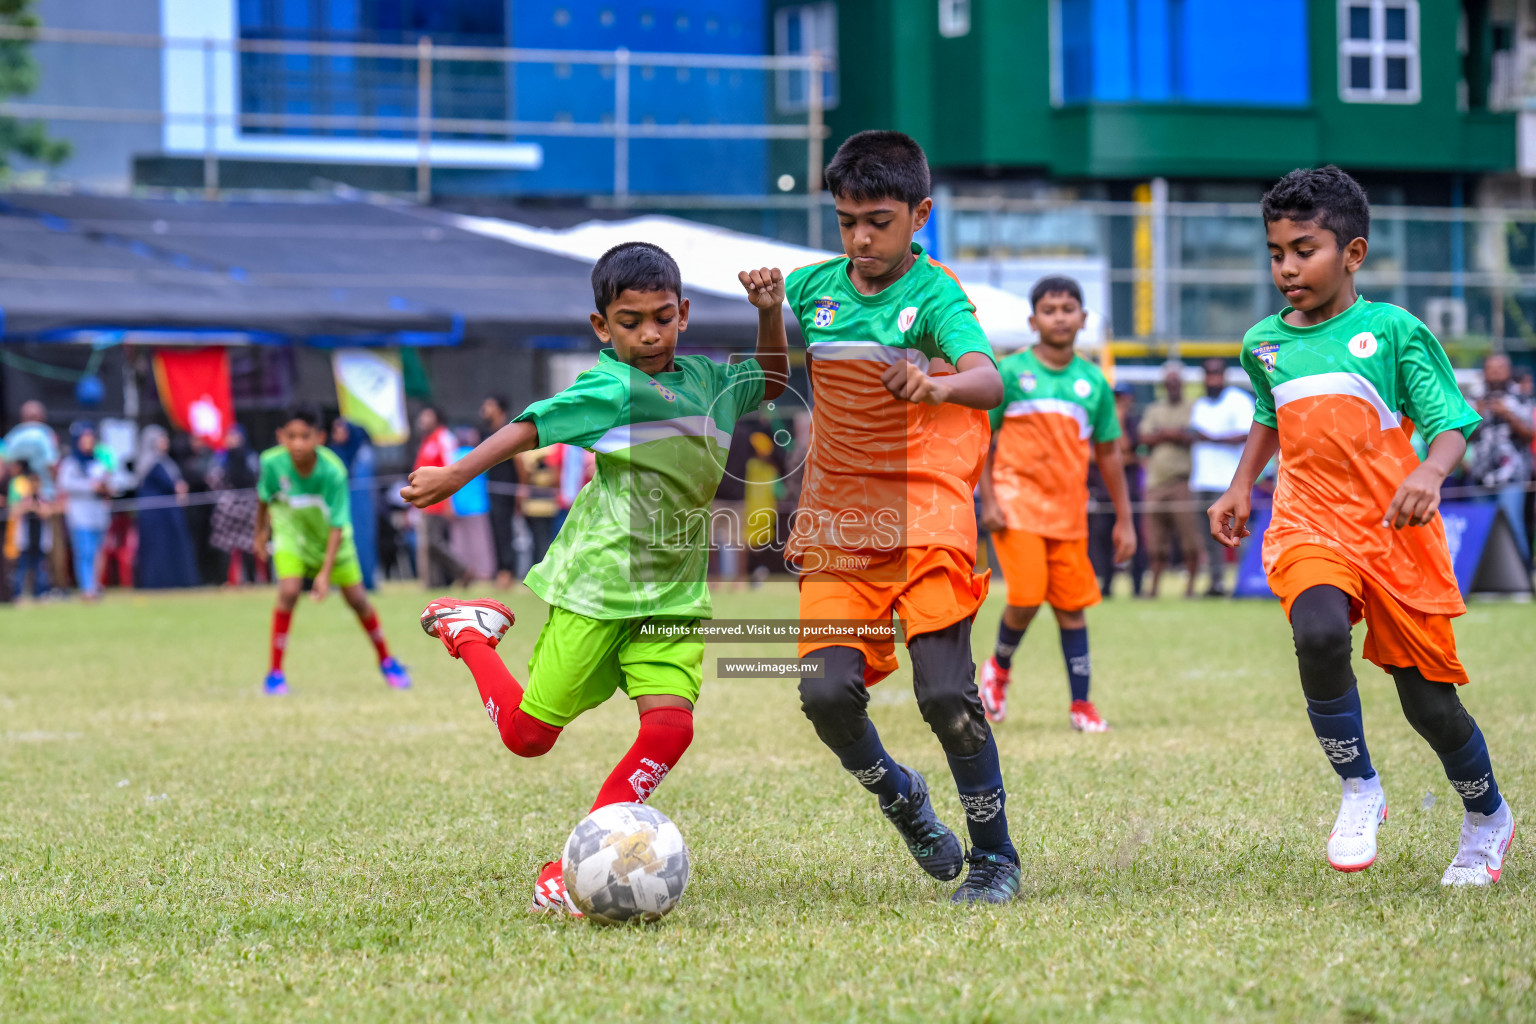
163, 509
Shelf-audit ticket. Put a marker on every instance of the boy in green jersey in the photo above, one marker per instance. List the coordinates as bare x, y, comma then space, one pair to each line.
625, 578
304, 506
1356, 533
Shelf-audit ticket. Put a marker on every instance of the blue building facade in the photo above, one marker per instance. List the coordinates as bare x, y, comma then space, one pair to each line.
565, 93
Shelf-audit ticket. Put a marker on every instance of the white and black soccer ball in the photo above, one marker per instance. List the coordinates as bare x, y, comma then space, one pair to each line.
625, 861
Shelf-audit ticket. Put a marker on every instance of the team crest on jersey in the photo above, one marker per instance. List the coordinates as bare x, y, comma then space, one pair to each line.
1363, 345
663, 390
1082, 388
826, 309
906, 318
1266, 355
1027, 381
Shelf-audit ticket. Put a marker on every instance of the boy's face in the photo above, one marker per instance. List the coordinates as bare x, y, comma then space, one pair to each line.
1058, 317
299, 438
643, 327
877, 233
1308, 264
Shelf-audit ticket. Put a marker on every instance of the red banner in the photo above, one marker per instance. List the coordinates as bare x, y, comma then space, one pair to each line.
194, 389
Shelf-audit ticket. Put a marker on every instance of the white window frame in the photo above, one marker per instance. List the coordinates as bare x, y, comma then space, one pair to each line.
954, 18
1378, 48
821, 20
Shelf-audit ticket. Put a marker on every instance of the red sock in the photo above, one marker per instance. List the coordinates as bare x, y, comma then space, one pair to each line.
280, 622
376, 634
522, 734
664, 734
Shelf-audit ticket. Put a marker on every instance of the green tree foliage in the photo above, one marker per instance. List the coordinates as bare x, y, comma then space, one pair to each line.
18, 77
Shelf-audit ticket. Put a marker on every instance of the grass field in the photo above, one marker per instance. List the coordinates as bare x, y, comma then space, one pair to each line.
174, 846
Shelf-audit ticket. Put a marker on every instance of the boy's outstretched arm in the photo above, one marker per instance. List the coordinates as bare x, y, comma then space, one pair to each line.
976, 386
1229, 516
1112, 469
765, 290
431, 484
1418, 497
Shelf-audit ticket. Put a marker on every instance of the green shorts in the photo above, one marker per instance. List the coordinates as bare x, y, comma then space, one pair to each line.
579, 662
345, 572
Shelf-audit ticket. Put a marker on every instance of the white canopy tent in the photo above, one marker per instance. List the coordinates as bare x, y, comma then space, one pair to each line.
710, 258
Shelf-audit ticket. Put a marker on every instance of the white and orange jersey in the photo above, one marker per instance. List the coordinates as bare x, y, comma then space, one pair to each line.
883, 473
1045, 427
1344, 396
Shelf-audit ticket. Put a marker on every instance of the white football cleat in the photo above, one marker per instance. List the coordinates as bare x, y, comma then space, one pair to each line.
1352, 843
1485, 838
453, 622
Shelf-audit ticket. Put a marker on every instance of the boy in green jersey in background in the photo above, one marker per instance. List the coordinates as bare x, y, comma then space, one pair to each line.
304, 506
625, 578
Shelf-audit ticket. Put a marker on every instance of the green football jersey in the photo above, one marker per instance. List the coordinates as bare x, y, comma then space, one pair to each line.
1045, 427
636, 541
305, 509
1341, 394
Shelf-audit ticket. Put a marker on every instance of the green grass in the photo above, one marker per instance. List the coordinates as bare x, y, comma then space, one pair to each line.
174, 846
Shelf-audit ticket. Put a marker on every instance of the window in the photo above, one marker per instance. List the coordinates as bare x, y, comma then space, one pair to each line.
1379, 51
798, 32
954, 18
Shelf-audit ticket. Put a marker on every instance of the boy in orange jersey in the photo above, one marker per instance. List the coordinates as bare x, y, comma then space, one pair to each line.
1356, 532
1034, 493
902, 376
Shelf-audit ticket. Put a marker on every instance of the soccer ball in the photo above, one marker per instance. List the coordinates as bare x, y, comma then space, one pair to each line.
625, 861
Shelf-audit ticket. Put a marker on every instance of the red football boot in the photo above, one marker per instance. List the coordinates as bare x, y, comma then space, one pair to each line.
453, 621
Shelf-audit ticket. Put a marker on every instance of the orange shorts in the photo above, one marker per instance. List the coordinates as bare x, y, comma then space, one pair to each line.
1396, 635
926, 588
1043, 570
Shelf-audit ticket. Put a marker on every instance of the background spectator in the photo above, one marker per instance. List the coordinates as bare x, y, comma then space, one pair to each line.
29, 535
1173, 519
233, 474
34, 446
541, 470
1501, 447
473, 545
165, 557
502, 490
1219, 423
193, 457
354, 447
434, 538
83, 484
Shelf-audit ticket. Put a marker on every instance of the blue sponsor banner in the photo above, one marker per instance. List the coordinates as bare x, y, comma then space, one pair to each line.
1469, 526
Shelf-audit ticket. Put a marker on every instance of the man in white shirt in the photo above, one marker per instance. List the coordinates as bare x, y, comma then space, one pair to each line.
1219, 421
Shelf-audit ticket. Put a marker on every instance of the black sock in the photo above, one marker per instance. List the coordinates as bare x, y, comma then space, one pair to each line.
866, 760
1007, 642
979, 778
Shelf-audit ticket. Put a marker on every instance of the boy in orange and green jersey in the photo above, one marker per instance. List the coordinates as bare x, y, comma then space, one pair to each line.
902, 376
1057, 412
1356, 533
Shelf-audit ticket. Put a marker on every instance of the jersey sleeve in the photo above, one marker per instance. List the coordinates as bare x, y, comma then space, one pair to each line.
744, 382
593, 405
794, 291
1263, 397
266, 481
1431, 397
957, 331
1104, 418
338, 499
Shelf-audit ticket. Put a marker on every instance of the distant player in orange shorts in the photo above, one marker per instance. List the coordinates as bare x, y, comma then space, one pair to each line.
902, 377
1356, 532
1034, 493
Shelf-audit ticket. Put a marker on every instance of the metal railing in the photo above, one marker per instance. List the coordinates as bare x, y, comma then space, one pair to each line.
425, 124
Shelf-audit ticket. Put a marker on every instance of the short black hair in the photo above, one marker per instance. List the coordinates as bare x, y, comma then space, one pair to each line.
640, 266
305, 413
1326, 196
1055, 284
501, 403
879, 165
